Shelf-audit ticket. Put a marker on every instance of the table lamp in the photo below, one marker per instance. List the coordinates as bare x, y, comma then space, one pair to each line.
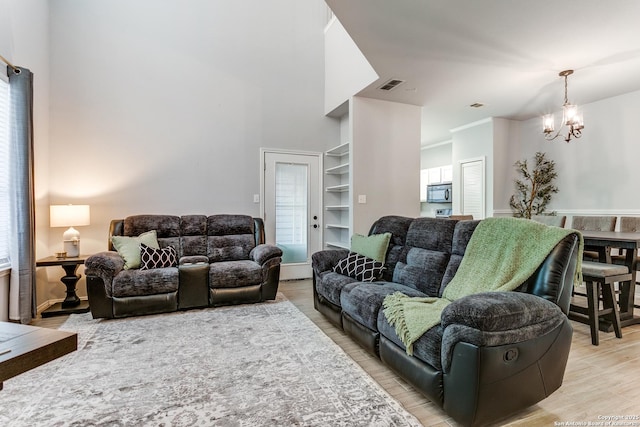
69, 216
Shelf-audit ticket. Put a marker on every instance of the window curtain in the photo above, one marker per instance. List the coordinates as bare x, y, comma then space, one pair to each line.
22, 305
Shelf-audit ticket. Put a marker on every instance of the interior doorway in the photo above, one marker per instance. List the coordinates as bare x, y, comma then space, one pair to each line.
292, 208
472, 196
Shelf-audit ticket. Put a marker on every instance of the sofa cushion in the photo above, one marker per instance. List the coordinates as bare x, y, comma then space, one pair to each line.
129, 247
461, 236
230, 248
359, 267
373, 246
167, 228
363, 301
193, 235
233, 274
330, 285
431, 233
193, 245
426, 348
425, 255
223, 225
165, 225
193, 225
157, 258
422, 269
130, 283
398, 227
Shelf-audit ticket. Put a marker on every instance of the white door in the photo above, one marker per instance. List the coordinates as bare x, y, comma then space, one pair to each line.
473, 195
292, 209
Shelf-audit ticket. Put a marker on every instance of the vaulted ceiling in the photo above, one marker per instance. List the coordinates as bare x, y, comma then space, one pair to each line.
505, 54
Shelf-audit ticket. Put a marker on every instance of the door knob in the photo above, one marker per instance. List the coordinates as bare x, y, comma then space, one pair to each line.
315, 225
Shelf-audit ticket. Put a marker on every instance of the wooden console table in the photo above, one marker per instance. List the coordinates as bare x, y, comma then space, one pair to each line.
24, 347
71, 304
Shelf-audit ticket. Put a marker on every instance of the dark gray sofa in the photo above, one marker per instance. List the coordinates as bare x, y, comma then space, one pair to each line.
492, 354
222, 259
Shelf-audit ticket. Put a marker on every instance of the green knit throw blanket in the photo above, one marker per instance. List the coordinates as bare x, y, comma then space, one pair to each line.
501, 255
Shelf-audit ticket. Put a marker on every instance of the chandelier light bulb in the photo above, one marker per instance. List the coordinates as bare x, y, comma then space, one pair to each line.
570, 114
571, 117
548, 124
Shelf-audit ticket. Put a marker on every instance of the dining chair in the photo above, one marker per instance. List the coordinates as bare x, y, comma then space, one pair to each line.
554, 220
599, 280
630, 224
593, 223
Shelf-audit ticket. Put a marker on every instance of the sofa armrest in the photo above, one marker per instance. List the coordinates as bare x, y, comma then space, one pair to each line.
496, 318
264, 252
327, 259
105, 265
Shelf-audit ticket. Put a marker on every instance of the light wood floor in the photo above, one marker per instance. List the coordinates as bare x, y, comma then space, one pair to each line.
599, 381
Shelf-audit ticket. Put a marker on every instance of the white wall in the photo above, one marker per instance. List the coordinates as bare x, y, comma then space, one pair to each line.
505, 148
433, 157
597, 174
347, 71
474, 141
162, 106
24, 33
436, 156
386, 160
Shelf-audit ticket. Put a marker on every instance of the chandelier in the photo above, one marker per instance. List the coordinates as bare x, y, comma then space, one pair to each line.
570, 117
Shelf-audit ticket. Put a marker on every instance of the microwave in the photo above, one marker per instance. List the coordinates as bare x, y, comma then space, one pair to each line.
439, 193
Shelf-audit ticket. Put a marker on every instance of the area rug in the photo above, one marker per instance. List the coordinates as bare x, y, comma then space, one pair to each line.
249, 365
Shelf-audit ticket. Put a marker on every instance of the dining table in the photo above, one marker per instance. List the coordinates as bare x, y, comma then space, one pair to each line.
602, 242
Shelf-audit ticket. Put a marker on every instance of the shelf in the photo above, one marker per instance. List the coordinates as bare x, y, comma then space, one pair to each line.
338, 170
340, 245
339, 151
338, 226
337, 188
338, 208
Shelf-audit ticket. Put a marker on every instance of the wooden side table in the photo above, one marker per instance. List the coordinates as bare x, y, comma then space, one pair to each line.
71, 304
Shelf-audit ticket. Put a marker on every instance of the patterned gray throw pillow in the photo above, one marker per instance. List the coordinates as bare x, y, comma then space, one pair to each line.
157, 258
360, 267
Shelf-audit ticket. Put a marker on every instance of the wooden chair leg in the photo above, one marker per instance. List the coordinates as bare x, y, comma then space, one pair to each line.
609, 302
592, 311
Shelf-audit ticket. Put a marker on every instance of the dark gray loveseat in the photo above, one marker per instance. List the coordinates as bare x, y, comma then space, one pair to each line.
492, 354
222, 259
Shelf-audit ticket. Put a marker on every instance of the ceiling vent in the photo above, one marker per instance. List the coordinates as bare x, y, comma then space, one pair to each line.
391, 84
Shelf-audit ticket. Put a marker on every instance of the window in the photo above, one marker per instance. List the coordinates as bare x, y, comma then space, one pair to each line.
292, 211
4, 171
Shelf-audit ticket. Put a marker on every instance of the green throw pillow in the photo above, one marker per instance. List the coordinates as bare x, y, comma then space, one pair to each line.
374, 246
129, 247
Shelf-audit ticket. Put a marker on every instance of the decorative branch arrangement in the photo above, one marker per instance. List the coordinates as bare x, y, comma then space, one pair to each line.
534, 188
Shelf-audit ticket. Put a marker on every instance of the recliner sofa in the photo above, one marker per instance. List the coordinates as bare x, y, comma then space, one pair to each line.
494, 353
222, 259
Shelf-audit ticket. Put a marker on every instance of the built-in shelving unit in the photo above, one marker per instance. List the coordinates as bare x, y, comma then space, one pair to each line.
337, 200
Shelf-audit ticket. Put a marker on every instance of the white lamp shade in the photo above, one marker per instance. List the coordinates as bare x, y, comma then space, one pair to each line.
69, 215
